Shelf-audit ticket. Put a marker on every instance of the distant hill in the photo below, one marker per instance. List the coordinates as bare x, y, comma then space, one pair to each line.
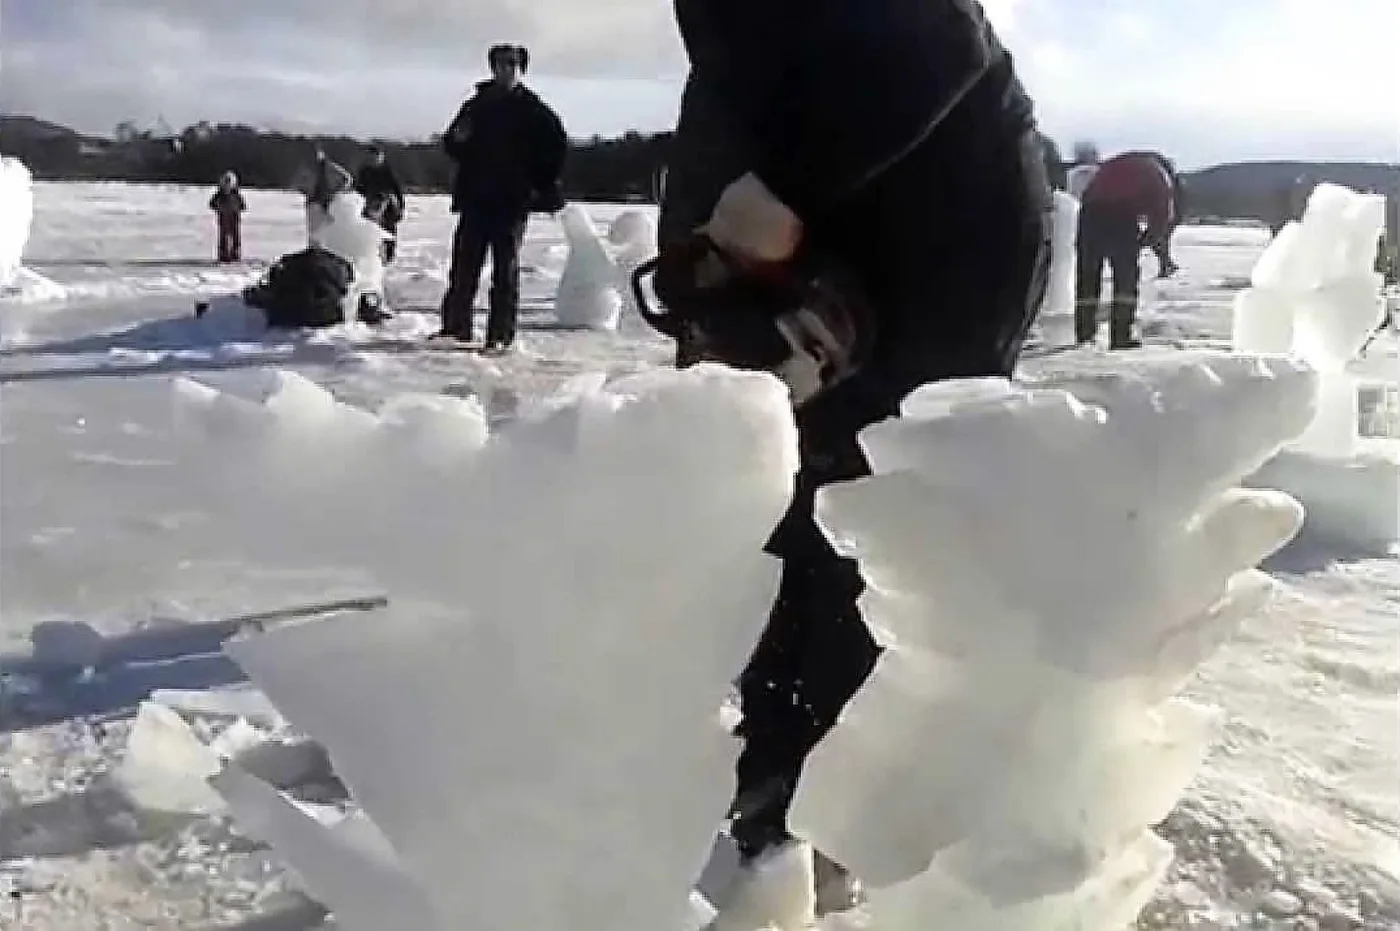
19, 131
1240, 188
598, 169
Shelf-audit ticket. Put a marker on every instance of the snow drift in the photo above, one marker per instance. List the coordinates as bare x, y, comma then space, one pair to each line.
1314, 293
535, 736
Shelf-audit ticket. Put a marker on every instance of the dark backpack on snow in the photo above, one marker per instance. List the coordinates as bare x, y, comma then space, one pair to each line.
303, 289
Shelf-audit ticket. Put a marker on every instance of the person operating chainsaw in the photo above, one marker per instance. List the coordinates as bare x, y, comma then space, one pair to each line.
856, 201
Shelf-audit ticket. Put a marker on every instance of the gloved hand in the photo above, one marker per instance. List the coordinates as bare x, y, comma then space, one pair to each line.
750, 223
547, 199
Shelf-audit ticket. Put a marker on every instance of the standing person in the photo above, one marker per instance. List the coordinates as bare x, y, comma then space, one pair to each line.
509, 147
228, 206
1128, 203
384, 201
856, 201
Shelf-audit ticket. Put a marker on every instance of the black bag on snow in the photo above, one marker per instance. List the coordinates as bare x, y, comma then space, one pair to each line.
303, 289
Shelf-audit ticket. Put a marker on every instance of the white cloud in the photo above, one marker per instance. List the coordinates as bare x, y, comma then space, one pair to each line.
1202, 77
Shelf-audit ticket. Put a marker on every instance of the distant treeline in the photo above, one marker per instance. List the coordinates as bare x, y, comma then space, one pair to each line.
621, 169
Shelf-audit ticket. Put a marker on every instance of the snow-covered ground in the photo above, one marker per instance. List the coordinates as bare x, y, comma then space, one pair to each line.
1294, 821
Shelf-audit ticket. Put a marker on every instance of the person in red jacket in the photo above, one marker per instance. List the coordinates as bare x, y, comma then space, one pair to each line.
228, 206
1130, 203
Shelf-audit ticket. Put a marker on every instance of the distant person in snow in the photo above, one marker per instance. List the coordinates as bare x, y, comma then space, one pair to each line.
509, 147
383, 194
859, 204
1129, 203
228, 206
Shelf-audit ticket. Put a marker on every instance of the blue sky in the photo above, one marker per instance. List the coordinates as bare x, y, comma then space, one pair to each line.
1206, 80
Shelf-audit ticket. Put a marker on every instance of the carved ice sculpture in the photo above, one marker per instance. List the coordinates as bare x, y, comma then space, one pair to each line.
16, 218
1315, 293
1048, 562
345, 231
16, 214
589, 296
633, 237
547, 753
1056, 317
1047, 565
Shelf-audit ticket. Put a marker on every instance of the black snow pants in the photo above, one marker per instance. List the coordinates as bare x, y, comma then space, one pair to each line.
1107, 235
230, 237
814, 653
390, 245
477, 232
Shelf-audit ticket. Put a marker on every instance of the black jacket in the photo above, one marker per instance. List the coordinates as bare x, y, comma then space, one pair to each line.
228, 202
898, 131
797, 74
378, 184
509, 147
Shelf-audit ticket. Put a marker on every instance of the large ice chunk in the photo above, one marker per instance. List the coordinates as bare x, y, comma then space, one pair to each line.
342, 860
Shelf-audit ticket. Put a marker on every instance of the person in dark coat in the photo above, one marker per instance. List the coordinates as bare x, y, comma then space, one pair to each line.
509, 147
228, 206
383, 194
894, 137
1130, 203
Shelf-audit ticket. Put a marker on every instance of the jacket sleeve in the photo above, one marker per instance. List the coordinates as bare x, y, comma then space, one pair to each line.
1159, 202
454, 137
214, 201
835, 91
242, 204
551, 143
